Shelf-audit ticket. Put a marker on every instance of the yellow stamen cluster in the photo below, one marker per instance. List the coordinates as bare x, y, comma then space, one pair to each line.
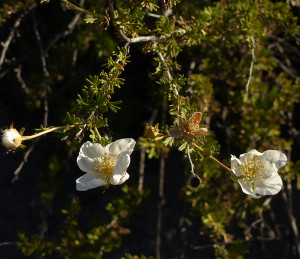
251, 170
105, 166
189, 129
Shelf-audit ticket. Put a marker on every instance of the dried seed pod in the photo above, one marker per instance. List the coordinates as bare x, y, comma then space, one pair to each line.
195, 181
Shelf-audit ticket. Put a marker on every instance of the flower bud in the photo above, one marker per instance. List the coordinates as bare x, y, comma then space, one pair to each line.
11, 138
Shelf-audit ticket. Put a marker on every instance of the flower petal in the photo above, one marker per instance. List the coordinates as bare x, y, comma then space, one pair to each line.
201, 132
88, 181
268, 168
196, 117
125, 145
124, 178
235, 162
247, 188
122, 164
92, 150
276, 157
270, 186
175, 132
85, 164
247, 156
119, 179
120, 175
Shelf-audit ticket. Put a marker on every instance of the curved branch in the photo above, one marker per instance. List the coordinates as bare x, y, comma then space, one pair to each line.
12, 33
81, 10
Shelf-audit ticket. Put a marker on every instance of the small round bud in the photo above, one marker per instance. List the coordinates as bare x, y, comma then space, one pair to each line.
196, 181
11, 138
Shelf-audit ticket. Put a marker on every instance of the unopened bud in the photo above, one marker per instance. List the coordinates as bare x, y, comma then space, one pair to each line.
11, 139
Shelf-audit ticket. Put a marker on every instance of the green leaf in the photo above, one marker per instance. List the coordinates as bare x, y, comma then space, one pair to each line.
168, 141
182, 146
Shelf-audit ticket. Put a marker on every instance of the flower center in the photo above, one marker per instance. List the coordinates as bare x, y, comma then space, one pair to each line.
252, 170
106, 165
189, 129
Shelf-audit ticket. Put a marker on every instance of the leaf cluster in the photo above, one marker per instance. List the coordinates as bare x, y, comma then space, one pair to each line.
95, 98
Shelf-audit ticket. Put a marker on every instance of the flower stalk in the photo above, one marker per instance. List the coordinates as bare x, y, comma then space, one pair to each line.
212, 158
41, 133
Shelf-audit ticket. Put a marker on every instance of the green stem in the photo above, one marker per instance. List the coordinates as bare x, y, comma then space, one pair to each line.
41, 133
212, 158
97, 132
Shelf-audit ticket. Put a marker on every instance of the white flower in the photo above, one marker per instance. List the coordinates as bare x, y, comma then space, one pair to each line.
104, 165
257, 172
11, 138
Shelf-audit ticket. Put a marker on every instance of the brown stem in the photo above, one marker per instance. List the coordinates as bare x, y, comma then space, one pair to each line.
160, 205
79, 9
213, 158
25, 159
44, 68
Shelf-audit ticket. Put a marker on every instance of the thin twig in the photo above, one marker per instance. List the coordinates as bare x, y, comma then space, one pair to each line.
142, 169
190, 160
162, 60
9, 39
251, 65
12, 33
152, 38
292, 220
193, 247
27, 153
18, 71
81, 10
63, 34
160, 205
10, 243
158, 16
138, 39
75, 54
287, 69
183, 240
143, 155
161, 194
290, 47
287, 192
262, 238
25, 159
69, 30
44, 68
82, 128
